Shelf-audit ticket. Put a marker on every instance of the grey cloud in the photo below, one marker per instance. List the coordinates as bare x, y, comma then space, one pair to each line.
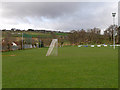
38, 9
63, 16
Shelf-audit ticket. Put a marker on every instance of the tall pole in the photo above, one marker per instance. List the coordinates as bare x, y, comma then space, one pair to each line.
22, 40
113, 14
114, 32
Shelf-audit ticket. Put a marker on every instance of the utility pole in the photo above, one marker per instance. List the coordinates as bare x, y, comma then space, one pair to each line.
113, 14
22, 40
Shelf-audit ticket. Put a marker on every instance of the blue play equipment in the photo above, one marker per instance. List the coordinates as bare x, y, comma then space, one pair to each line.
86, 46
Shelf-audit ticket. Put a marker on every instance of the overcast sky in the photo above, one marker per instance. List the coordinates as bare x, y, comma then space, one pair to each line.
57, 16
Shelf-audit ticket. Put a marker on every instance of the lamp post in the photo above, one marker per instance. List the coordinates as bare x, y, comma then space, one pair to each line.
113, 14
22, 40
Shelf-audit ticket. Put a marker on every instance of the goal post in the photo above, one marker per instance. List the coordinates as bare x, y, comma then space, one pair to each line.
53, 49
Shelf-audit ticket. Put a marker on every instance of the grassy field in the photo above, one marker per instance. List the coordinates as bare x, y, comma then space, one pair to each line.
73, 68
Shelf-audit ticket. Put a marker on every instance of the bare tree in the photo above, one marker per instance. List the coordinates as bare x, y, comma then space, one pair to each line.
108, 33
7, 43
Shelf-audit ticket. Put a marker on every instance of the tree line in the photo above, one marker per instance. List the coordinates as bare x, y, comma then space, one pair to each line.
74, 37
93, 36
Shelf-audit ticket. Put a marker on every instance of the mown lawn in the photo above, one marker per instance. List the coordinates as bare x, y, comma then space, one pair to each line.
74, 67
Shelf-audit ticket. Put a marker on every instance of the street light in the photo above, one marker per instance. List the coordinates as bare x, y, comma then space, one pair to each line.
113, 14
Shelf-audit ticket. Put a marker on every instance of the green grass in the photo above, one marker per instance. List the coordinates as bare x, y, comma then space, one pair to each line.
73, 68
33, 34
61, 34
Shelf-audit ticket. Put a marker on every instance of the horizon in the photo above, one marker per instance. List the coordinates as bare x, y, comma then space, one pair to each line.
62, 16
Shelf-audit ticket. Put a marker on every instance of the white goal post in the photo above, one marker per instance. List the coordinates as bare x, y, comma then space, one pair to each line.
53, 49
